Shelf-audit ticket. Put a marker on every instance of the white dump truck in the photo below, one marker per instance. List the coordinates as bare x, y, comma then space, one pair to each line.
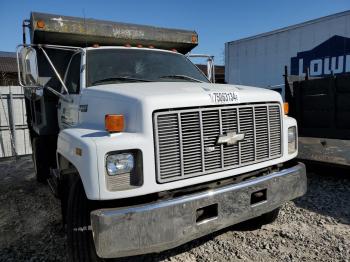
144, 151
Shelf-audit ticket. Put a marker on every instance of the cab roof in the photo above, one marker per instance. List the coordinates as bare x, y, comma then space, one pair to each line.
132, 48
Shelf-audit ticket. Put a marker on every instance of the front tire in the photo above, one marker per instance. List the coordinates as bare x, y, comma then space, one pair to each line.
80, 242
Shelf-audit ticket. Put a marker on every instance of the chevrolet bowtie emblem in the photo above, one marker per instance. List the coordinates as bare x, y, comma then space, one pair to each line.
230, 138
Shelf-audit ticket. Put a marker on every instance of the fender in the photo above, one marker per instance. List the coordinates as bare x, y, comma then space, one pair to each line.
78, 147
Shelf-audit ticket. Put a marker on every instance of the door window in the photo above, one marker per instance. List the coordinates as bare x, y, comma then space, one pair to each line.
73, 75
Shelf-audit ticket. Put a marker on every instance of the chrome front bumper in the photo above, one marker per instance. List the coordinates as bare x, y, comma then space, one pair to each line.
166, 224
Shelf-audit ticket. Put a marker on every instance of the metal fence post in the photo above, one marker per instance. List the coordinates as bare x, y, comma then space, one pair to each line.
12, 122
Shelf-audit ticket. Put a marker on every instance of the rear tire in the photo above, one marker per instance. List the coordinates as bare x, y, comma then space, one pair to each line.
81, 246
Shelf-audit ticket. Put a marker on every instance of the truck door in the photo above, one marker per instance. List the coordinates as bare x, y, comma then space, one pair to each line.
68, 109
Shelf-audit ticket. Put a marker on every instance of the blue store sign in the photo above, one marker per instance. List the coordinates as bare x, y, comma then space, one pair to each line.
330, 57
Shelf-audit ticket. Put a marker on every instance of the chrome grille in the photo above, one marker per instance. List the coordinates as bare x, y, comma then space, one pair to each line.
186, 139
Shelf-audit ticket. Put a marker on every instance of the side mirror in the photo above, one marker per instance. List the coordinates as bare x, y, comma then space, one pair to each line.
28, 67
210, 65
28, 74
211, 69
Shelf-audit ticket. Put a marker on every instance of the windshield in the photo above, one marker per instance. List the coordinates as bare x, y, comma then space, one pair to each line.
131, 65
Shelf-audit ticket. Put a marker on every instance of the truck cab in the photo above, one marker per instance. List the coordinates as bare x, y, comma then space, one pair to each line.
144, 150
105, 66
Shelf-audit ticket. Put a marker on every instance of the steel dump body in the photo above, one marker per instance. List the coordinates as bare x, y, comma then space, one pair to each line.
76, 31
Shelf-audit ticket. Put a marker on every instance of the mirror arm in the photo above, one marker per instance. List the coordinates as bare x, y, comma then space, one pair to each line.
25, 23
64, 98
55, 71
18, 67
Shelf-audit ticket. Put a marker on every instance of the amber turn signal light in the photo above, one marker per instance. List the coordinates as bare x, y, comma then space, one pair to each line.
114, 123
286, 108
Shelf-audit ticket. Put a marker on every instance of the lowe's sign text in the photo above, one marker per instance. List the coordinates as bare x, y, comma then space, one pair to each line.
330, 57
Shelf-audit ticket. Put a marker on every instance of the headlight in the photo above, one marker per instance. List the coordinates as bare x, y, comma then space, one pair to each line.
120, 164
124, 170
292, 140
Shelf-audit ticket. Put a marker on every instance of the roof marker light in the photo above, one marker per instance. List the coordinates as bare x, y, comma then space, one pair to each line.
40, 24
194, 39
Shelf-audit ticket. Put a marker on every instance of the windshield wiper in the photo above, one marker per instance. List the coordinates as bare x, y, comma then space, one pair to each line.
120, 78
182, 77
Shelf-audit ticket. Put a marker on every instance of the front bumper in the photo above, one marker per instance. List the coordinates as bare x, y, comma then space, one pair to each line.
166, 224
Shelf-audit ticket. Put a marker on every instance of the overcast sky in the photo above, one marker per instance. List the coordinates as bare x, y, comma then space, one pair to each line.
216, 22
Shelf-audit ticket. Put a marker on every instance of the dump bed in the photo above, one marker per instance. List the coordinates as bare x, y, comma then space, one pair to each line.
321, 107
75, 31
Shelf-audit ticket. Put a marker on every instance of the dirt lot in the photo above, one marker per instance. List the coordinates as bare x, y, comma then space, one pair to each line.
314, 227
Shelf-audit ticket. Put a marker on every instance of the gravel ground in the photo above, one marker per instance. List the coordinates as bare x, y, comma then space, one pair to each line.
315, 227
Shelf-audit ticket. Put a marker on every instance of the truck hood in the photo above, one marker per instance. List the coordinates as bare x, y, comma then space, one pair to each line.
181, 94
140, 100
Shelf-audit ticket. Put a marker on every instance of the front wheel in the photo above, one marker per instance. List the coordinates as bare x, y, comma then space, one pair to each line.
80, 242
